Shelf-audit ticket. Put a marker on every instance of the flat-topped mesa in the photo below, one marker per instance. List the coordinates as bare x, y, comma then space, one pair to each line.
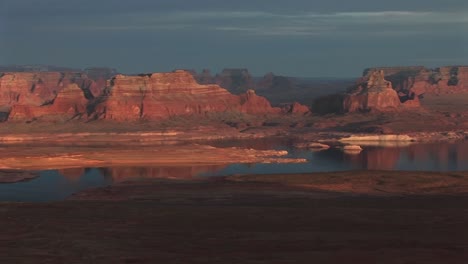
162, 95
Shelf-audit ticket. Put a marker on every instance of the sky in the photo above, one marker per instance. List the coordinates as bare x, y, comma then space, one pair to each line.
307, 38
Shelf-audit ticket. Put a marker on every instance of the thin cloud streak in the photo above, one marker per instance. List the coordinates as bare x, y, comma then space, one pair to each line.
269, 24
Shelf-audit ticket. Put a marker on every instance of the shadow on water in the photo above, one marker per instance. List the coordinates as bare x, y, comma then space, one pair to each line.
51, 185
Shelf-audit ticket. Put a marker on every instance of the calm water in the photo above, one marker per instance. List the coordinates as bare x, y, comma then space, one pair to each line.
53, 185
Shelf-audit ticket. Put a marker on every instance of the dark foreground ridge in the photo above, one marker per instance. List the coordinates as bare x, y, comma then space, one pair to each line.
367, 217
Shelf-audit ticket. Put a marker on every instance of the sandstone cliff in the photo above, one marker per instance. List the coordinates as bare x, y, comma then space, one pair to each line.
375, 93
69, 103
418, 80
25, 96
28, 96
162, 95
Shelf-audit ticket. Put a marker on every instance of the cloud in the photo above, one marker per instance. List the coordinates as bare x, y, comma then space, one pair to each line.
262, 23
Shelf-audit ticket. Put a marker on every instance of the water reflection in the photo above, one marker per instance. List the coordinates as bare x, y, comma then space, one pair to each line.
58, 184
121, 174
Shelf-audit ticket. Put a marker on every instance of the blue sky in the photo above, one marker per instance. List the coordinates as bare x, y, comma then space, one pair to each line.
295, 37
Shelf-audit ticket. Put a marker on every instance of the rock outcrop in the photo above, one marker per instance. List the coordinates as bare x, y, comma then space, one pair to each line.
372, 92
162, 95
69, 103
375, 93
29, 88
25, 96
418, 80
97, 80
295, 108
28, 96
272, 82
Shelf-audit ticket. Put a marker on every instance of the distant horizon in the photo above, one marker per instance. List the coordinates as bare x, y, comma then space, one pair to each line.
310, 38
214, 72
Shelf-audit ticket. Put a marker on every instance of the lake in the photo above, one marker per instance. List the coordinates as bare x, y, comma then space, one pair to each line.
53, 185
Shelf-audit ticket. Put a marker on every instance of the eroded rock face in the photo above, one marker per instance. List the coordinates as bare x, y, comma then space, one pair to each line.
62, 96
374, 94
371, 93
162, 95
29, 88
29, 95
69, 103
419, 80
251, 103
295, 108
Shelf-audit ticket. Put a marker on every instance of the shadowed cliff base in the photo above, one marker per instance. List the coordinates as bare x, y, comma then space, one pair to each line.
249, 219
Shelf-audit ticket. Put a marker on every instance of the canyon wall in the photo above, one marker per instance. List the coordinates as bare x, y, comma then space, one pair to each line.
371, 93
162, 95
409, 85
420, 80
29, 96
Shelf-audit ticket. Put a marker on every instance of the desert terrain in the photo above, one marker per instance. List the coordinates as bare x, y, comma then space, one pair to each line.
359, 217
69, 120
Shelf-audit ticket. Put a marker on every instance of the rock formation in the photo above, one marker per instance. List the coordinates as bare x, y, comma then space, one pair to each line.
25, 96
69, 103
28, 96
272, 82
410, 83
295, 108
375, 93
418, 80
205, 77
236, 81
97, 79
162, 95
29, 88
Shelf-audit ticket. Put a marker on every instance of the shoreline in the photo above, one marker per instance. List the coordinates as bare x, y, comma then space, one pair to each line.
181, 136
61, 157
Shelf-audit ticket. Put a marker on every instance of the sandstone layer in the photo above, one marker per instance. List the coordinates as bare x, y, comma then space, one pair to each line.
419, 80
26, 96
372, 93
29, 96
163, 95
